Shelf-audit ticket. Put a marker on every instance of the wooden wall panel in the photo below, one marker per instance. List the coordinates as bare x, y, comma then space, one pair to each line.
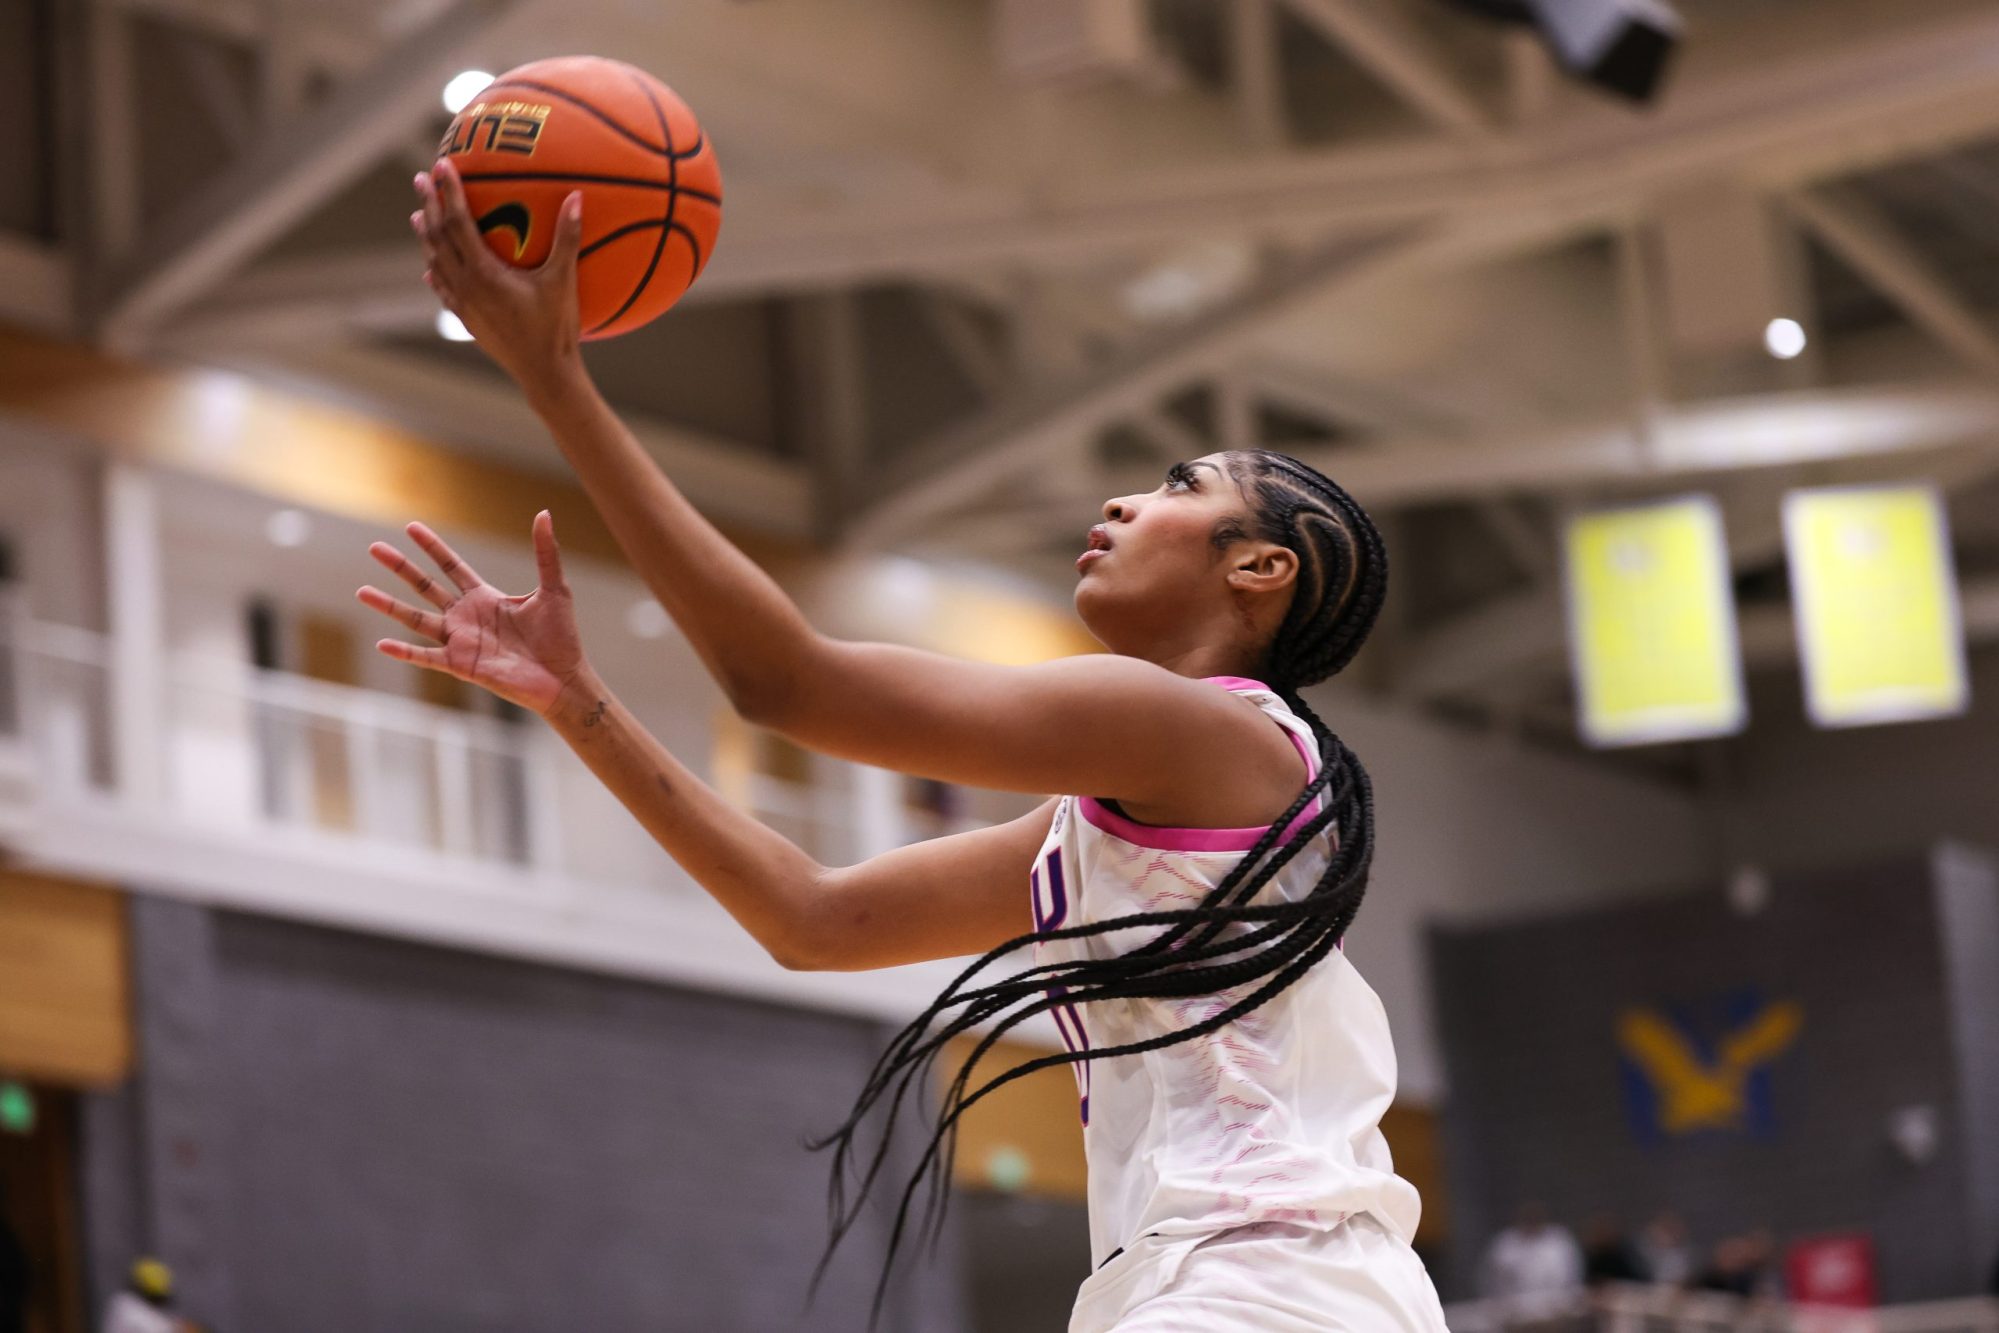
65, 1003
290, 447
1036, 1116
1415, 1137
328, 651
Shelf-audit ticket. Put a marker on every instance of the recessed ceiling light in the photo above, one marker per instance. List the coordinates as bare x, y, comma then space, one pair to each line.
647, 619
288, 527
464, 86
1785, 338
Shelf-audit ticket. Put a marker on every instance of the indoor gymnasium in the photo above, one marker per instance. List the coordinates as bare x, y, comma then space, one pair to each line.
999, 666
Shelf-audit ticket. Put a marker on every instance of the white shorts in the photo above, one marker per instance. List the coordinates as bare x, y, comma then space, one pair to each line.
1270, 1277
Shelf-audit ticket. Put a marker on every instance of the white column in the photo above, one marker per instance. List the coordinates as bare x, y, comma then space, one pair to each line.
457, 827
135, 603
879, 825
540, 754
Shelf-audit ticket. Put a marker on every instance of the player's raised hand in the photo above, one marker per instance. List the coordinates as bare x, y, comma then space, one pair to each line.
525, 319
525, 649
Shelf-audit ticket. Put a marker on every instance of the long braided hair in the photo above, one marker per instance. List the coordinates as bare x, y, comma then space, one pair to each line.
1342, 579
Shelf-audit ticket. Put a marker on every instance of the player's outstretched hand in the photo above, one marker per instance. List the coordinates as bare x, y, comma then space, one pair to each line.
524, 649
525, 319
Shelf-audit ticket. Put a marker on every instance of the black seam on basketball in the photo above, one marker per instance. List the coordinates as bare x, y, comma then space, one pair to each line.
665, 223
686, 234
581, 178
550, 90
617, 235
694, 244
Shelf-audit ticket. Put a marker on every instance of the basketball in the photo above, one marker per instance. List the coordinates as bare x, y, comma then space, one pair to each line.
652, 191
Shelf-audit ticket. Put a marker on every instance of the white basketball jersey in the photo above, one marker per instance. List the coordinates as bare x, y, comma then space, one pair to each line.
1272, 1118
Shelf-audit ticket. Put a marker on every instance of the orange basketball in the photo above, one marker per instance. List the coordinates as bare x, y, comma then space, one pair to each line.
652, 192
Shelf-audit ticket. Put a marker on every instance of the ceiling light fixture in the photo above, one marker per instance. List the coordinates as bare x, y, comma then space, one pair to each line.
288, 527
1785, 338
464, 86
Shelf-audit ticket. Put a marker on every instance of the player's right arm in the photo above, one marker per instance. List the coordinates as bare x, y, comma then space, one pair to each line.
1177, 751
747, 632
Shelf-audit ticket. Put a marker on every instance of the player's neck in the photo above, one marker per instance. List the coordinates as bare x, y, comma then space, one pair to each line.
1203, 661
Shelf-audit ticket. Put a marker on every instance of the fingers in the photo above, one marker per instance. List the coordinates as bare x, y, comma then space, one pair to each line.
433, 262
547, 555
568, 238
459, 227
429, 658
447, 559
440, 242
401, 566
427, 623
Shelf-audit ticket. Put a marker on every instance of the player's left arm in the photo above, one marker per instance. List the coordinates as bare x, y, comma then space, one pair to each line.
940, 898
947, 897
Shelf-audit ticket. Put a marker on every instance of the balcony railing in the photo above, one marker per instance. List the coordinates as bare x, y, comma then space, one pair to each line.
243, 747
272, 751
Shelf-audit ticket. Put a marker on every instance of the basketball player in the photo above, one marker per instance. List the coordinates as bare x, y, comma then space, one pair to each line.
1186, 900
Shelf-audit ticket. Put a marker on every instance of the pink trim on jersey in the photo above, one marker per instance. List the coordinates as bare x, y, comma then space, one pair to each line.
1200, 839
1234, 683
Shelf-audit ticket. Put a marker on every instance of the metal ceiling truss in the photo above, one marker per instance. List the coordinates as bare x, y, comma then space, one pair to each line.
1495, 176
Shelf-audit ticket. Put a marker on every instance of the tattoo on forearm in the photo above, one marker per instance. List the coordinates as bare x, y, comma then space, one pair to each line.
595, 715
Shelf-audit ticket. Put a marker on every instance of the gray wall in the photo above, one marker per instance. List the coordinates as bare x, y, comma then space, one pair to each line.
1800, 796
1538, 1111
1968, 899
336, 1132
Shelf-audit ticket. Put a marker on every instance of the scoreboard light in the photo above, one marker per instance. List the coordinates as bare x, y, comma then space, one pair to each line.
1652, 624
1875, 602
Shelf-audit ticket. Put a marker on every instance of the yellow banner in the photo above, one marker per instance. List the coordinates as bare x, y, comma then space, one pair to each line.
1875, 600
1652, 624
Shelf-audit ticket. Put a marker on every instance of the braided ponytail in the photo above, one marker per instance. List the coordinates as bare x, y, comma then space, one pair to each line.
1342, 581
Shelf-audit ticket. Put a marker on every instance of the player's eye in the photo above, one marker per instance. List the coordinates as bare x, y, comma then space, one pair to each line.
1179, 475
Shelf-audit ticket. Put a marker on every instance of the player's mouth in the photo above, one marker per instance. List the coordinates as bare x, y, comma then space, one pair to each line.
1100, 546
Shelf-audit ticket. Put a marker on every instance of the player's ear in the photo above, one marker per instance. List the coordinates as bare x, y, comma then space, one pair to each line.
1262, 567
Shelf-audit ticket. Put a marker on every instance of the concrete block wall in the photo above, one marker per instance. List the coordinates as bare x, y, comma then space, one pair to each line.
333, 1131
1528, 1013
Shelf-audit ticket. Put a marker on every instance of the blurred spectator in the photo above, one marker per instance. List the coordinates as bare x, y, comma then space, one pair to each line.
13, 1274
146, 1304
1534, 1264
1665, 1252
1744, 1266
1608, 1255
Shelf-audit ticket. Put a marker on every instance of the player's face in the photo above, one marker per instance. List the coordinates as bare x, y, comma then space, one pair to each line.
1155, 552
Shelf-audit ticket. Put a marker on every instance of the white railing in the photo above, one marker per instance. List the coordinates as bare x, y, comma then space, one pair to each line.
54, 706
247, 748
346, 760
1644, 1309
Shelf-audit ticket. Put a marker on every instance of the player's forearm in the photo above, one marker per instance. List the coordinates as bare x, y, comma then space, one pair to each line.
762, 879
748, 633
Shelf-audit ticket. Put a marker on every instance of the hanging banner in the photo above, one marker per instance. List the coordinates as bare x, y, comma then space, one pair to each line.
1652, 624
1875, 600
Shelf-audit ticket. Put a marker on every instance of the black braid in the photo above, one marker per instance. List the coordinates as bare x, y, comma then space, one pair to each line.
1342, 580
